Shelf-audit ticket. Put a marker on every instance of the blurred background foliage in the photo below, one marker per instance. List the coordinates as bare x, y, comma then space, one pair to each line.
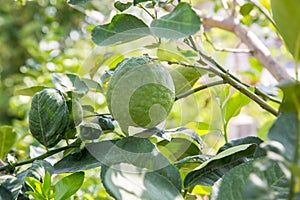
41, 37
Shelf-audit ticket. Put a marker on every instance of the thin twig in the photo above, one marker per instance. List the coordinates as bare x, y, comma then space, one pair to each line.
233, 8
231, 50
237, 85
142, 7
260, 51
41, 157
216, 64
202, 87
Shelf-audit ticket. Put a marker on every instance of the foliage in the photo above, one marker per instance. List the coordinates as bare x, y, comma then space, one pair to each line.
75, 108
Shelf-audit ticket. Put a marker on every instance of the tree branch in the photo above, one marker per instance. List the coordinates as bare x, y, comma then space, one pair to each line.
41, 157
260, 51
231, 81
202, 87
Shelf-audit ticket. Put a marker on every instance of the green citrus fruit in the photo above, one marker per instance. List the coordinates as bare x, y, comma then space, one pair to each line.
184, 78
140, 93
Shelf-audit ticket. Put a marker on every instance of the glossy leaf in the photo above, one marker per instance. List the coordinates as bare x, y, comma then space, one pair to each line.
135, 2
183, 132
213, 169
126, 181
10, 186
76, 161
288, 11
234, 184
68, 185
178, 148
284, 130
189, 163
139, 153
7, 139
48, 117
234, 105
184, 78
247, 140
122, 6
90, 131
169, 52
29, 91
76, 2
69, 82
180, 143
37, 170
122, 28
93, 84
5, 193
106, 124
47, 184
75, 118
291, 98
181, 22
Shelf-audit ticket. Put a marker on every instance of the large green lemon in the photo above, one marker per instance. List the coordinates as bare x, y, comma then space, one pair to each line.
140, 93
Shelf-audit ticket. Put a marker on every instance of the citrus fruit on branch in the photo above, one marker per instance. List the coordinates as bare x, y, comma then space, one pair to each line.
140, 93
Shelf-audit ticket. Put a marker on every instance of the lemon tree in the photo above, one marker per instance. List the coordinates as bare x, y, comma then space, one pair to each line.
140, 93
148, 159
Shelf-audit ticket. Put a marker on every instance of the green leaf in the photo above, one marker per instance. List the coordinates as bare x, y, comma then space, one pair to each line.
75, 118
169, 51
38, 170
135, 2
260, 152
246, 8
213, 169
68, 186
93, 84
184, 78
90, 131
284, 130
291, 97
76, 2
183, 132
287, 16
11, 184
5, 193
29, 91
122, 28
7, 139
234, 184
69, 82
189, 163
181, 22
77, 161
180, 143
178, 148
126, 181
234, 105
46, 184
48, 117
122, 6
137, 152
34, 184
106, 124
